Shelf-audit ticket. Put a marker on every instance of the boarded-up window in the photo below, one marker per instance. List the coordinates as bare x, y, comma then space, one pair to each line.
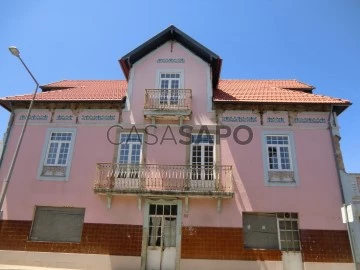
260, 231
57, 224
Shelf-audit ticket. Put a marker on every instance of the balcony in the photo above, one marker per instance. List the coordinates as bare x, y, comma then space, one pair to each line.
167, 104
164, 180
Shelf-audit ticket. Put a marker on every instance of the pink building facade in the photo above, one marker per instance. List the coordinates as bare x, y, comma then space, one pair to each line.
175, 168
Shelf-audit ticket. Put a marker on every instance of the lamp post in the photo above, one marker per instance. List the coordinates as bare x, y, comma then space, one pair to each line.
14, 51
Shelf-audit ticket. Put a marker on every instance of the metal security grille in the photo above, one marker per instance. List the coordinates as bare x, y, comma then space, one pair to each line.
57, 224
162, 225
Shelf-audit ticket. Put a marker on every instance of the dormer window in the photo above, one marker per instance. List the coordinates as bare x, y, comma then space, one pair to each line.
169, 100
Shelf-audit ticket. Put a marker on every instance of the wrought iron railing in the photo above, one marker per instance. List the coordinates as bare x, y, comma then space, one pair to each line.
168, 99
153, 178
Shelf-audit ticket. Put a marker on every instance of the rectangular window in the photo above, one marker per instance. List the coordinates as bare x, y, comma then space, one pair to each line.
278, 152
58, 149
271, 231
202, 157
130, 152
288, 228
57, 154
279, 159
57, 224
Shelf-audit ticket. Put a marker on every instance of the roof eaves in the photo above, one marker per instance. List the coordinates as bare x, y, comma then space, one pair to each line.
342, 102
5, 104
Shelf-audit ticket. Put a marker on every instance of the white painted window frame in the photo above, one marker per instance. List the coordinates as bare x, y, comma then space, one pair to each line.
169, 97
202, 144
164, 71
43, 161
280, 230
278, 156
58, 150
293, 161
130, 148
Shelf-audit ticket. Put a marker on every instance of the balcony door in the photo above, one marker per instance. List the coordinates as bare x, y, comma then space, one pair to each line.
169, 85
202, 162
128, 168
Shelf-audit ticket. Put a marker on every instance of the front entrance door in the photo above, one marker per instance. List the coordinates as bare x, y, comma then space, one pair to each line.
162, 247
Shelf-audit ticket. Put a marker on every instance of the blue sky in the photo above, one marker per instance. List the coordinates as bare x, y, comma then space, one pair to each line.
317, 42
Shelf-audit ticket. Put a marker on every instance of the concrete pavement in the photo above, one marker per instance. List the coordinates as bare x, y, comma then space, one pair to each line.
24, 267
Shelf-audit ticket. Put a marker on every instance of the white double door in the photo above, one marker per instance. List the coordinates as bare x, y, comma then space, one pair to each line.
169, 85
163, 229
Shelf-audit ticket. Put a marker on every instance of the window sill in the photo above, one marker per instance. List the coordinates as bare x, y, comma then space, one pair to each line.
53, 173
281, 178
49, 241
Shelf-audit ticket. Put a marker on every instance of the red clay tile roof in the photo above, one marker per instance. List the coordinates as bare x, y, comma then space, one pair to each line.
270, 91
264, 91
78, 90
288, 84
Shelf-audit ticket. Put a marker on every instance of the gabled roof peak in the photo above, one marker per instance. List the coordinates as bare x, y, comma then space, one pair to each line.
173, 33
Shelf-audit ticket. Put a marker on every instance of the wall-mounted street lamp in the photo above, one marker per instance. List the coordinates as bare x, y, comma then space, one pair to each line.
14, 51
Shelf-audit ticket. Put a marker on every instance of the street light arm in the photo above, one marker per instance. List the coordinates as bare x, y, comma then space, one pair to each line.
28, 70
12, 164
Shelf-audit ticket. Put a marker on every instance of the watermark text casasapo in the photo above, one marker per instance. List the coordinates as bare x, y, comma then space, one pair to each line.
241, 134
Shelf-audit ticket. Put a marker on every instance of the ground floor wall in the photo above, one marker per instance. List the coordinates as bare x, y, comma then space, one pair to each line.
199, 245
69, 261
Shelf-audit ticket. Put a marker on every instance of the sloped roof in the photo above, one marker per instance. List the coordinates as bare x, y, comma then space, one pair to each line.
228, 91
249, 84
78, 90
270, 91
273, 92
173, 33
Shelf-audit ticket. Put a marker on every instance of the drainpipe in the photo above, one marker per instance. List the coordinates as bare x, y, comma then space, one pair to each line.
341, 187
